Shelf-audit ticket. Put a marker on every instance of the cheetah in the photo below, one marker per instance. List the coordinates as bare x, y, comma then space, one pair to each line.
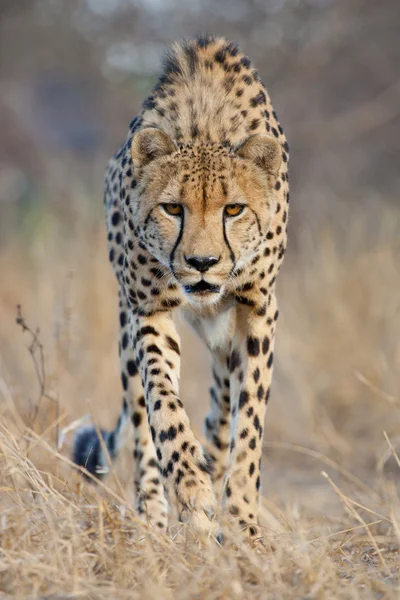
196, 204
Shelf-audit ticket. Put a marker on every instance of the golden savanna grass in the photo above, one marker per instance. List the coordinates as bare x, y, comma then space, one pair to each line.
331, 512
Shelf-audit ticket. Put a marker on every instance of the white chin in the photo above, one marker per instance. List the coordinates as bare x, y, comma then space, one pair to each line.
203, 300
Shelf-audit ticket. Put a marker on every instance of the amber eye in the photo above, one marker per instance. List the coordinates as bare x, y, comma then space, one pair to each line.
173, 209
233, 210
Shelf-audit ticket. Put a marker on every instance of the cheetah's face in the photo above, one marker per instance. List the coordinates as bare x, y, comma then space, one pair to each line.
203, 211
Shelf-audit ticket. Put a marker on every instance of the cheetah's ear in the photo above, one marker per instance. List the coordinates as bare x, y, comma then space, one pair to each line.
149, 144
264, 150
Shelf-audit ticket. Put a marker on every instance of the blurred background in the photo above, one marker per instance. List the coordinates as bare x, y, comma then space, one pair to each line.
73, 73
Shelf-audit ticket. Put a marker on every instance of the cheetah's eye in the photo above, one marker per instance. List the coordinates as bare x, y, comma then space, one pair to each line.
172, 208
233, 210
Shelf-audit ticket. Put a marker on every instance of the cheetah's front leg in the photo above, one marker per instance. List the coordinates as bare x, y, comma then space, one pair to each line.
217, 422
182, 463
251, 372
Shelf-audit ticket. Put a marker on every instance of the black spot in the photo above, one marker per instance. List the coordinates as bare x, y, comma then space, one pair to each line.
220, 56
136, 419
243, 398
262, 311
124, 341
252, 443
205, 466
270, 360
252, 469
232, 49
259, 99
234, 361
141, 295
147, 330
132, 368
246, 287
260, 392
179, 476
124, 381
157, 272
254, 124
244, 300
115, 218
149, 103
253, 346
171, 303
172, 433
256, 374
154, 348
157, 405
173, 344
205, 40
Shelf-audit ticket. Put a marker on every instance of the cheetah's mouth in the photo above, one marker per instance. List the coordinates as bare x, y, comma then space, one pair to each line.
202, 287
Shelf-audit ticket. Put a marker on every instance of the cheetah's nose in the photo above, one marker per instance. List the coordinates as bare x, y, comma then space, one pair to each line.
201, 263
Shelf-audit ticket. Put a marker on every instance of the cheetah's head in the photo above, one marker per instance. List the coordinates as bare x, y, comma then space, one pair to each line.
204, 211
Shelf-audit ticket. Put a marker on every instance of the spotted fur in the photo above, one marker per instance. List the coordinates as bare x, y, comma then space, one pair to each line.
206, 139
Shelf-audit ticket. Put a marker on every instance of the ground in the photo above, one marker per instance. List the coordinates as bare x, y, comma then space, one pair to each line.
331, 513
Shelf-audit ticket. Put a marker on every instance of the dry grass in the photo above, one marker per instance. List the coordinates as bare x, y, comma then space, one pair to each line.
331, 512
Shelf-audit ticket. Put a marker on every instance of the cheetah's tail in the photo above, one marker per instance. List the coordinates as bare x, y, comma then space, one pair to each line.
88, 450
